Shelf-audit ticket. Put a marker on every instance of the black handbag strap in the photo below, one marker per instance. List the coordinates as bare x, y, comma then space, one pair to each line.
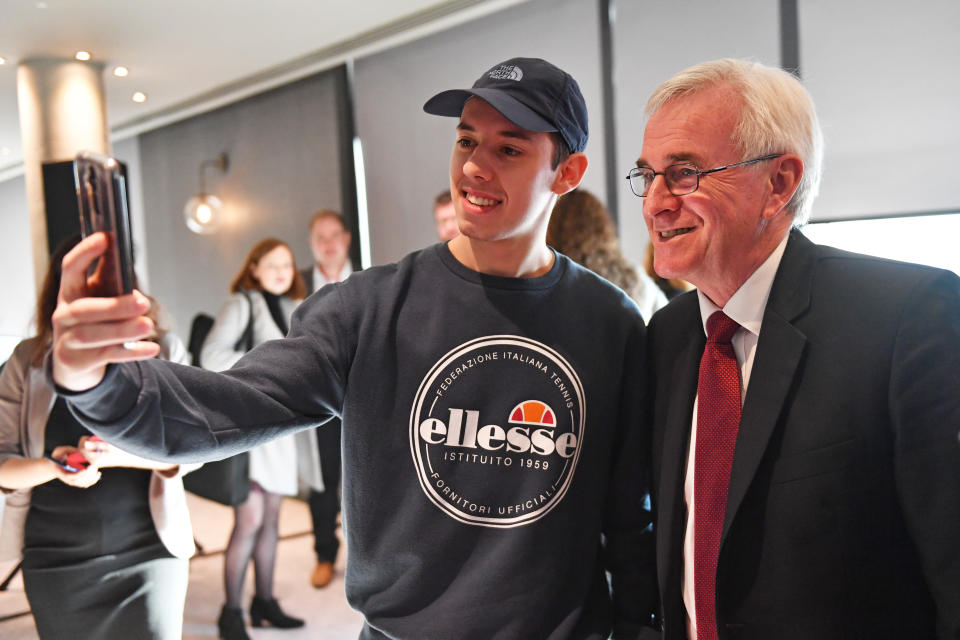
245, 342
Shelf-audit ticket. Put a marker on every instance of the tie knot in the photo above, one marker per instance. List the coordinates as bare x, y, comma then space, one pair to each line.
720, 327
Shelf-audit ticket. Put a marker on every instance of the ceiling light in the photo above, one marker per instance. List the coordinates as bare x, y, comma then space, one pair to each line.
41, 5
83, 56
4, 151
121, 72
203, 211
3, 60
139, 96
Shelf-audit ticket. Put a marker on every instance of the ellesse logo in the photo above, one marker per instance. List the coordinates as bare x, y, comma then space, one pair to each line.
496, 431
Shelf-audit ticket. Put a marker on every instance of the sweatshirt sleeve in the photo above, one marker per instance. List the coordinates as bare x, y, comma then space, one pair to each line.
171, 412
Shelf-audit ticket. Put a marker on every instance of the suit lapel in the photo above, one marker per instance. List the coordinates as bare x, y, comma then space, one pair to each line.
779, 352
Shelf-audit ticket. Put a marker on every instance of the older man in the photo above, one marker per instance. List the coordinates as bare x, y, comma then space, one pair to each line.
806, 400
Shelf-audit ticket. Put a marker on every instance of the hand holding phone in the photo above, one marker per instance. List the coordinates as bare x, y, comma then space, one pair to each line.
102, 199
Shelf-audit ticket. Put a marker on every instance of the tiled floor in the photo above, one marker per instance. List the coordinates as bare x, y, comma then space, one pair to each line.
326, 611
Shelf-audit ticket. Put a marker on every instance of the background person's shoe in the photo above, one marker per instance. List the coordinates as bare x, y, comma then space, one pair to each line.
230, 624
262, 610
322, 575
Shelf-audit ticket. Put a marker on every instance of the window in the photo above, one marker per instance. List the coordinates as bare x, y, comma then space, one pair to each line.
930, 239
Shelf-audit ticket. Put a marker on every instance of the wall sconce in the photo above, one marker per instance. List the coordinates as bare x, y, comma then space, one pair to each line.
203, 211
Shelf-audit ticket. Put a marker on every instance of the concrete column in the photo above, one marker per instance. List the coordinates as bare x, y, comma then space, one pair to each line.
62, 111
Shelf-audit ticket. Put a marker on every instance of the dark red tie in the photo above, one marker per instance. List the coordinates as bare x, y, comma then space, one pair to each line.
718, 417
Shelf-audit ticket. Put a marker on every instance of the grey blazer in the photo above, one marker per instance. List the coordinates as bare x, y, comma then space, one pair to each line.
26, 399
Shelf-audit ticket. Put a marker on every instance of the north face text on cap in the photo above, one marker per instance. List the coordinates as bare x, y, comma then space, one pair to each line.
496, 431
506, 72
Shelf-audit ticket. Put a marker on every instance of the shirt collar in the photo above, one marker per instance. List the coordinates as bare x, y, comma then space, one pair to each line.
747, 304
319, 279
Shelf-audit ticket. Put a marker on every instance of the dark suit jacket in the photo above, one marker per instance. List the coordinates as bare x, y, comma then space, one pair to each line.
843, 515
307, 275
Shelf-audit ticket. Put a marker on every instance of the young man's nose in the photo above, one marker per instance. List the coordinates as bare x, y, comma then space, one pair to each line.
477, 165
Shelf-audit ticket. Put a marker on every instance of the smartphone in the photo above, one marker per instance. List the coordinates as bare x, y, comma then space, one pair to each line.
101, 183
74, 463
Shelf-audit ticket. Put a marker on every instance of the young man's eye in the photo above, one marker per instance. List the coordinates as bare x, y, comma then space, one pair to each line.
464, 143
510, 151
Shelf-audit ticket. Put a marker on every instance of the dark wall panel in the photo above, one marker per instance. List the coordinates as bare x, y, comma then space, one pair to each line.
284, 165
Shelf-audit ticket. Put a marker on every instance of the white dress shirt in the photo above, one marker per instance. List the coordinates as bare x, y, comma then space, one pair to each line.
745, 307
320, 280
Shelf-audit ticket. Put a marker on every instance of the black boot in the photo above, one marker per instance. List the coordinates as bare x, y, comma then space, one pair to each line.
269, 610
230, 624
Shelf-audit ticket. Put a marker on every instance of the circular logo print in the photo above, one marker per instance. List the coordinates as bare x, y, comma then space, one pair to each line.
496, 431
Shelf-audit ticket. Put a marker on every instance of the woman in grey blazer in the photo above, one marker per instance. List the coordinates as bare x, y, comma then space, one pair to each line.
264, 294
104, 548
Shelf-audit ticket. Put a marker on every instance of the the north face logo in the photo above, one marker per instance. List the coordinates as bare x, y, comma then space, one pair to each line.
506, 72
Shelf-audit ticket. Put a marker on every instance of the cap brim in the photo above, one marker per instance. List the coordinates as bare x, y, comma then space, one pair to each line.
450, 103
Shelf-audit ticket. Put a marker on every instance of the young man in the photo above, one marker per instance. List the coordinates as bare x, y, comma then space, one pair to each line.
806, 463
445, 217
490, 392
329, 244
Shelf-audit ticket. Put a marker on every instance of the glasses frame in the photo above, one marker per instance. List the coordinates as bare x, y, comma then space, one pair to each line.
637, 170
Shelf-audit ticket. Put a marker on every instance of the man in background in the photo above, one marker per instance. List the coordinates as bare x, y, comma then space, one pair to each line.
445, 216
330, 246
806, 400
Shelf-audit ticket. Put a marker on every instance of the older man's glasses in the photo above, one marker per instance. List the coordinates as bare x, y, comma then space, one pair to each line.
682, 178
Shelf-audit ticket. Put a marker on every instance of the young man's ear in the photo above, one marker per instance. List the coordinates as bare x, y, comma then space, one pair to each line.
570, 173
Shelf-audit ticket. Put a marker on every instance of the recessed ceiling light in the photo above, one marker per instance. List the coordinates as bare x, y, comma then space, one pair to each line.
4, 151
3, 60
139, 96
121, 72
82, 55
41, 5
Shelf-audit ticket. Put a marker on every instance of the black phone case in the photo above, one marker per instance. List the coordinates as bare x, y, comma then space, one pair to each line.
102, 200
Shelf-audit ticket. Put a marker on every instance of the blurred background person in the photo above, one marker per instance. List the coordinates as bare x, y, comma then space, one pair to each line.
671, 287
445, 216
581, 228
330, 246
104, 548
265, 292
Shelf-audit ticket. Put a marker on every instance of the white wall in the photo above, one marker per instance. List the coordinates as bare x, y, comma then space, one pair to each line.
17, 285
885, 77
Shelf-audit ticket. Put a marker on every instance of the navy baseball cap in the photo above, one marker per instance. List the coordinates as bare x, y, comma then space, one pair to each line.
529, 92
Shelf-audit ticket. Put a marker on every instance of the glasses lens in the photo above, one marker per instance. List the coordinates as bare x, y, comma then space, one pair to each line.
681, 179
640, 180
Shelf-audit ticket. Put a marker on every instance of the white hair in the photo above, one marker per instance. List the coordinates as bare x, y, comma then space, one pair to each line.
778, 117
